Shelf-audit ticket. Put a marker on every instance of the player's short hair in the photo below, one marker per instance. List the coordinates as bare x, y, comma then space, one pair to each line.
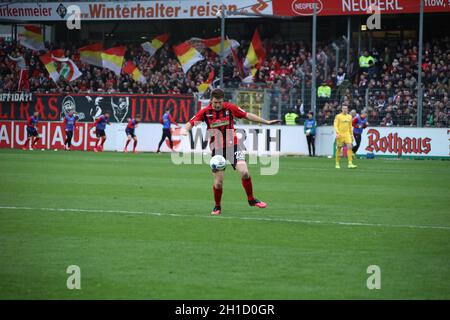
217, 93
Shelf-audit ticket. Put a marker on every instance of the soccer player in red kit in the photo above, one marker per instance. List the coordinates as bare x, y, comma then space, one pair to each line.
132, 124
32, 134
219, 117
100, 126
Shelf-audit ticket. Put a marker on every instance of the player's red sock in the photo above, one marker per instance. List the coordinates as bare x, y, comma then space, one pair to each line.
103, 142
26, 145
247, 184
217, 196
134, 146
96, 143
126, 145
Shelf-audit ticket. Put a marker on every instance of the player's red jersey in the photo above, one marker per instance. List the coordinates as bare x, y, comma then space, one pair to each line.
32, 121
220, 121
132, 124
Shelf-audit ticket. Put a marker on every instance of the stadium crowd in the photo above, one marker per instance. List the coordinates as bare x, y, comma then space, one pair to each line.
388, 84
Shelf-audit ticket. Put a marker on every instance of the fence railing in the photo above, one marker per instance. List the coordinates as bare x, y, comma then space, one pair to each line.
384, 106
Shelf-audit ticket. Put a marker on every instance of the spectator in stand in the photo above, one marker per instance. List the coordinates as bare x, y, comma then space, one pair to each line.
371, 70
396, 77
23, 83
291, 118
340, 77
323, 93
364, 62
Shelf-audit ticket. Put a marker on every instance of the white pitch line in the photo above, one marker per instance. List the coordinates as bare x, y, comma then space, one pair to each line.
359, 224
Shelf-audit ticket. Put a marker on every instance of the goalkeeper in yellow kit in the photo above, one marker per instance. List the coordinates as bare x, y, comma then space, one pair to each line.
344, 135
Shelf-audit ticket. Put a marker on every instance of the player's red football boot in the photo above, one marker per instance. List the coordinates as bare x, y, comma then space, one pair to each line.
125, 151
216, 211
95, 149
257, 203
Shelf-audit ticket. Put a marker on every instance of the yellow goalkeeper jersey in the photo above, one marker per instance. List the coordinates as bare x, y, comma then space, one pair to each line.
343, 124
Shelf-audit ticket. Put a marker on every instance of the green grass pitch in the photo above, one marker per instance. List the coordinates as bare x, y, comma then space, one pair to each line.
139, 228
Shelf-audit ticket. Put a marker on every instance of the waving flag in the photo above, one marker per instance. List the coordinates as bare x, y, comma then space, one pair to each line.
92, 54
214, 45
187, 56
205, 85
32, 38
60, 67
237, 62
155, 44
113, 59
50, 65
58, 53
67, 69
131, 69
255, 55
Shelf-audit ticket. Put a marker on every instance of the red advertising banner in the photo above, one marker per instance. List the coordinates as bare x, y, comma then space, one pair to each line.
13, 134
6, 134
355, 7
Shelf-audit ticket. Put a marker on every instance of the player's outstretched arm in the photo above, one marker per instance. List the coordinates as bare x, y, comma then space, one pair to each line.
185, 131
255, 118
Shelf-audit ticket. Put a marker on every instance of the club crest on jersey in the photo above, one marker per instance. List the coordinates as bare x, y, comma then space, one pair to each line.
219, 123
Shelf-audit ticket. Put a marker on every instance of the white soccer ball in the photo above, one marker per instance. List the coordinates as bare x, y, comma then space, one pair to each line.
308, 131
218, 162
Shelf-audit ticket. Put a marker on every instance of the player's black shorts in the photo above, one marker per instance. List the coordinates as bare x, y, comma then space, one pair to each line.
130, 132
232, 153
32, 132
100, 133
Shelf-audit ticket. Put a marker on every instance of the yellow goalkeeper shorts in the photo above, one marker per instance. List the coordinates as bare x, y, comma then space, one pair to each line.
344, 139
